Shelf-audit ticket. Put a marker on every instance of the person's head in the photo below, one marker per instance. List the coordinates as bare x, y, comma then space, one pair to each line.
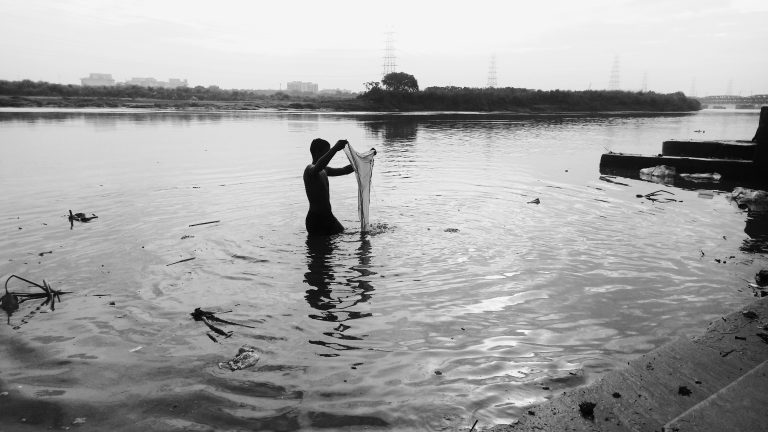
318, 148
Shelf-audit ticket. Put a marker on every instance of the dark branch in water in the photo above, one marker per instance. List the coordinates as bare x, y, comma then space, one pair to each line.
205, 223
180, 261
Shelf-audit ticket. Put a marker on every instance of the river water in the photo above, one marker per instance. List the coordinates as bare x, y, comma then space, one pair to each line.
465, 302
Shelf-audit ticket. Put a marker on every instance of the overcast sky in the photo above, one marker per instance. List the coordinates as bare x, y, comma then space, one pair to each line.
704, 46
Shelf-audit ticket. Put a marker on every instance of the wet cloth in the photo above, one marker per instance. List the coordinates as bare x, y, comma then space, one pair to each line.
363, 165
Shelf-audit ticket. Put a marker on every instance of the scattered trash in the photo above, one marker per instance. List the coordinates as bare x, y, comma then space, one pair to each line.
81, 217
683, 391
587, 410
473, 426
655, 196
10, 301
748, 314
762, 278
702, 177
205, 223
246, 357
610, 179
658, 171
751, 199
180, 261
534, 201
437, 372
206, 317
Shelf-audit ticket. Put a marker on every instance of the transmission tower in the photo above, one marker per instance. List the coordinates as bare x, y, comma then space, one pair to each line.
693, 87
389, 65
729, 90
645, 82
614, 82
492, 72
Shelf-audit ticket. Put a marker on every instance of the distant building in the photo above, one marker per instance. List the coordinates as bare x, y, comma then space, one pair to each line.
143, 82
97, 79
335, 92
176, 82
152, 82
301, 87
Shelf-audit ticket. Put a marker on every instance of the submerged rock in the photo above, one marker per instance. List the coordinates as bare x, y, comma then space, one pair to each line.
245, 358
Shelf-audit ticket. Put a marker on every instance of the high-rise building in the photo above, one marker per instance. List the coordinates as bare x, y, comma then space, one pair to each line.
98, 79
301, 87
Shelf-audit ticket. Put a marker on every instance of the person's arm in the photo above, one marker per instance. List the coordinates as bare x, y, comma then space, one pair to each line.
349, 169
324, 159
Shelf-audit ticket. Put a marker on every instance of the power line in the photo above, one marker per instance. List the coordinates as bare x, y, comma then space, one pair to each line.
390, 61
614, 83
492, 72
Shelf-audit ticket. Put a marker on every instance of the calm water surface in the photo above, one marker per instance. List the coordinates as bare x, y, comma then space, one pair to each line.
465, 302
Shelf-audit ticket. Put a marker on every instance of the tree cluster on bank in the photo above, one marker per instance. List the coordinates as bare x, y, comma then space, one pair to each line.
397, 91
400, 91
28, 88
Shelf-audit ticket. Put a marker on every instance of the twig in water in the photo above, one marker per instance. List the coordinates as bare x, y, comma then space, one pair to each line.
473, 426
205, 223
180, 261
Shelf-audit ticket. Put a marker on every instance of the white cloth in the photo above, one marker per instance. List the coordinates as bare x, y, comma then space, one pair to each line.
363, 165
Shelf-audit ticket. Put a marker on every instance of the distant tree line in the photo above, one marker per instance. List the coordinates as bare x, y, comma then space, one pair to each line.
400, 91
210, 93
396, 91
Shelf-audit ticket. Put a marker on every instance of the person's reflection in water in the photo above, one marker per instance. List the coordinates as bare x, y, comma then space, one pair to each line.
335, 298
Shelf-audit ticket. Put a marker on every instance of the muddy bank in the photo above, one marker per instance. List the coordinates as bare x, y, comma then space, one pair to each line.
713, 382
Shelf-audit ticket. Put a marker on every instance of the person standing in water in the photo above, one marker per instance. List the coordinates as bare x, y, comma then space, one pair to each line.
320, 219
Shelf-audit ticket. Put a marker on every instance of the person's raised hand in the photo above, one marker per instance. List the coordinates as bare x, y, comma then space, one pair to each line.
340, 145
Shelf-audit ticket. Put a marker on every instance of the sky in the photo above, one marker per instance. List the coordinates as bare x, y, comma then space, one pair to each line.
700, 47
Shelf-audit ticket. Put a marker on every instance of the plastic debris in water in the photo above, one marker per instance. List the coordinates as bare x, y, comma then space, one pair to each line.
245, 358
658, 171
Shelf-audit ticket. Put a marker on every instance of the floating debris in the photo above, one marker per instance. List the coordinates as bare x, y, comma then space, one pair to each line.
702, 177
587, 410
655, 196
180, 261
748, 314
451, 230
683, 391
762, 278
534, 201
245, 358
205, 223
11, 301
658, 171
81, 217
206, 317
610, 179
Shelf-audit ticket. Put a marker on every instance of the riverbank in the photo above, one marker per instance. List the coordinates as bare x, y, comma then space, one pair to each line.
318, 104
191, 105
714, 382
